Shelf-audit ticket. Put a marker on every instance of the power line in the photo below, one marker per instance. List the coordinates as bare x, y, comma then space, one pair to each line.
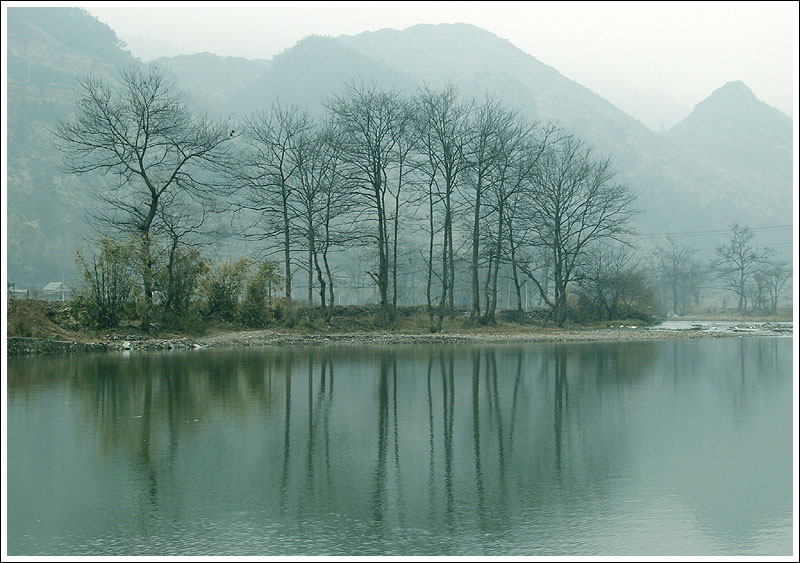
768, 228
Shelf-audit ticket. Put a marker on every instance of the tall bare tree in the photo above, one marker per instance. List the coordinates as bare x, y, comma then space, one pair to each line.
370, 123
444, 119
143, 137
519, 152
406, 165
268, 172
483, 153
322, 205
574, 202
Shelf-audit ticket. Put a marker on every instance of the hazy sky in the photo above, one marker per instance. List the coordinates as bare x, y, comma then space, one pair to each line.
653, 60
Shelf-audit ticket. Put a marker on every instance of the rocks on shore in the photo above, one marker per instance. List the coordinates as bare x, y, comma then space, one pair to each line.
136, 342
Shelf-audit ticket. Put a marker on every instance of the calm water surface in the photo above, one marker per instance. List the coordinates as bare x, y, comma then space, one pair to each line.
677, 447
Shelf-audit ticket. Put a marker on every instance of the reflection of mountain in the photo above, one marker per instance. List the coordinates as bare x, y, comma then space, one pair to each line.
730, 161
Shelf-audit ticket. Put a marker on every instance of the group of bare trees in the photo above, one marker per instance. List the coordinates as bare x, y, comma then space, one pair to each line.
464, 182
755, 275
377, 167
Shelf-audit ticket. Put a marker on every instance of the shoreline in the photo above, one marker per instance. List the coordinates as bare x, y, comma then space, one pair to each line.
22, 346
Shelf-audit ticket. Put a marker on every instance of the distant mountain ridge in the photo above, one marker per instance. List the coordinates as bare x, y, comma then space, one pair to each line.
475, 59
732, 120
729, 161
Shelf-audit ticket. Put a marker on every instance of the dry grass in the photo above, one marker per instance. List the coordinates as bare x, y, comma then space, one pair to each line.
42, 319
783, 314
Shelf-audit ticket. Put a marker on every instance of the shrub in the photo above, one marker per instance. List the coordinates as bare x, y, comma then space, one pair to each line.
107, 293
222, 288
258, 307
178, 284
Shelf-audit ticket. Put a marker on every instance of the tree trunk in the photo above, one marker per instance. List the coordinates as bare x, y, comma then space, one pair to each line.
287, 306
486, 292
394, 241
451, 310
171, 275
445, 285
497, 253
430, 261
329, 311
475, 312
517, 284
322, 288
147, 280
382, 279
310, 278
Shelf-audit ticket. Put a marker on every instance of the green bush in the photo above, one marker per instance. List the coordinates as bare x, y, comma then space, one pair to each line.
222, 288
107, 294
258, 308
178, 284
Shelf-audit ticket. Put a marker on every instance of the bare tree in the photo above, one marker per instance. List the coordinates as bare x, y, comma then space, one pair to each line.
679, 272
574, 203
322, 206
613, 285
268, 172
370, 123
431, 199
737, 262
771, 280
518, 155
142, 136
444, 121
406, 166
483, 152
181, 221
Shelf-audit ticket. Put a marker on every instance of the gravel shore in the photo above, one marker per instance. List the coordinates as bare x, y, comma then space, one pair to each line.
256, 338
272, 338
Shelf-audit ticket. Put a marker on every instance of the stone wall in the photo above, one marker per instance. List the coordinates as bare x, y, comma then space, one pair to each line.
26, 346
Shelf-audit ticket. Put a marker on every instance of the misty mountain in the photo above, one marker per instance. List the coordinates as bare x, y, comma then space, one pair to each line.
734, 129
738, 154
218, 84
729, 161
49, 50
681, 183
304, 75
480, 62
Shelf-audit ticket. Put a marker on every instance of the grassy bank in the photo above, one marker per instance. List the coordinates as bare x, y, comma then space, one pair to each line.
57, 321
783, 314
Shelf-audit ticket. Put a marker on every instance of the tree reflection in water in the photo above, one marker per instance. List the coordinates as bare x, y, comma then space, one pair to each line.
469, 444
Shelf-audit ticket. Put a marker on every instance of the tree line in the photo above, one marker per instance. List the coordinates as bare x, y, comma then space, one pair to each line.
446, 180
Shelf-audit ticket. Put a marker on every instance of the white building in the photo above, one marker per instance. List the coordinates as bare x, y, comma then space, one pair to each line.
56, 291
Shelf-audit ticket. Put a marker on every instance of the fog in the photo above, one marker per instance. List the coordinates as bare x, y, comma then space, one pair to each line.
653, 61
725, 163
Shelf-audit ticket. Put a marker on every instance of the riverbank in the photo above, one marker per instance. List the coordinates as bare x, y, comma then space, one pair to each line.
50, 328
261, 338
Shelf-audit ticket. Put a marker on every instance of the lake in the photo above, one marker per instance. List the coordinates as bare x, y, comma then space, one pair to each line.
672, 447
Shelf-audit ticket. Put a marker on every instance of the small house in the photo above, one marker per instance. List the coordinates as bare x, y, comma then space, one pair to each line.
56, 291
